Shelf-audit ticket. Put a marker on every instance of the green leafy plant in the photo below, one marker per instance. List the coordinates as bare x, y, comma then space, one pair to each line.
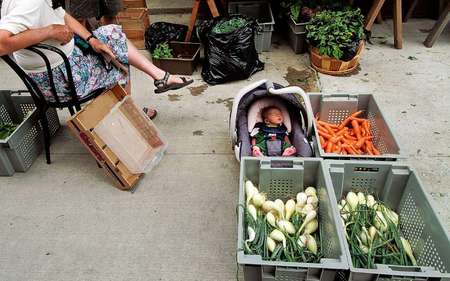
229, 25
6, 129
302, 11
162, 51
336, 33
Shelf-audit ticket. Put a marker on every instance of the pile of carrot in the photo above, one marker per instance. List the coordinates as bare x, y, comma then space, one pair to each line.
352, 136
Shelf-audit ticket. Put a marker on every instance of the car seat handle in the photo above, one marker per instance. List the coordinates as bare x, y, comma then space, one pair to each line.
306, 101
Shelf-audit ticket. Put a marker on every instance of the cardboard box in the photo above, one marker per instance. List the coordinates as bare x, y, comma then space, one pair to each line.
84, 122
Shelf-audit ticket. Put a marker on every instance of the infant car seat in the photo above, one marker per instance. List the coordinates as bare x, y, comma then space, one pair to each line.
246, 112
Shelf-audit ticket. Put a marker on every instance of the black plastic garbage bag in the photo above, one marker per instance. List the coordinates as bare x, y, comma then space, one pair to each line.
229, 56
162, 32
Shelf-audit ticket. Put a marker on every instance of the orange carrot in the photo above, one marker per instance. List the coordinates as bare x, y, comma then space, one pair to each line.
342, 131
322, 140
349, 119
324, 144
325, 135
329, 147
349, 137
357, 113
339, 148
322, 128
360, 120
366, 127
336, 139
350, 150
356, 129
362, 141
323, 123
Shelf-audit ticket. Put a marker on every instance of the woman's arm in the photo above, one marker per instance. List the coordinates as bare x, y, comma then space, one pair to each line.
81, 31
10, 43
76, 27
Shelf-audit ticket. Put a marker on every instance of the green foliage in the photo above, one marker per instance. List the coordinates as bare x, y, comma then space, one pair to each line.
6, 129
335, 32
303, 10
162, 51
229, 26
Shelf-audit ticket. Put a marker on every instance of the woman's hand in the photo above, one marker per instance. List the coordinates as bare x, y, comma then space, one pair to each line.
61, 33
101, 48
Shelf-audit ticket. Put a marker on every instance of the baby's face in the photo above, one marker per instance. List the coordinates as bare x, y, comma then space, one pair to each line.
274, 116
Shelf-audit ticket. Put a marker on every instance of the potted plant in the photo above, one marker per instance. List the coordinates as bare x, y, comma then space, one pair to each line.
336, 40
177, 57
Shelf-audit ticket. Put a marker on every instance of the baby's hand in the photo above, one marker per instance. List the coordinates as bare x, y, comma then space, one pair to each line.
290, 151
257, 152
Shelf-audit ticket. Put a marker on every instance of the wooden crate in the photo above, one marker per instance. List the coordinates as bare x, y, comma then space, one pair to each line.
134, 4
135, 22
82, 125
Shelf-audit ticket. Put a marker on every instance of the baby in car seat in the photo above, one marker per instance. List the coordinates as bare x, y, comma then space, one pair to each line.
271, 137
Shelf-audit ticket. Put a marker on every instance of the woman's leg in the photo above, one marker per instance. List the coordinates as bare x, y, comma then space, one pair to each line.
138, 60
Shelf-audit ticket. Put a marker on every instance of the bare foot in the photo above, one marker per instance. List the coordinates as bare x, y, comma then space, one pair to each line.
174, 79
289, 151
150, 112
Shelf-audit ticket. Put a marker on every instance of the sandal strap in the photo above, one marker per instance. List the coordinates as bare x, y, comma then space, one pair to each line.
162, 82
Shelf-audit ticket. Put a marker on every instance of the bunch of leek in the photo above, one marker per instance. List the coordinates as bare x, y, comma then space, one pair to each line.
282, 231
372, 232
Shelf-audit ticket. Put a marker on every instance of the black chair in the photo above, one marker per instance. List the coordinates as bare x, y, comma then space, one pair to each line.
42, 105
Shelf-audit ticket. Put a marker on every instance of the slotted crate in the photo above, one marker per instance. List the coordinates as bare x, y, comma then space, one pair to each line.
297, 36
334, 108
134, 22
134, 4
399, 187
283, 178
262, 12
23, 146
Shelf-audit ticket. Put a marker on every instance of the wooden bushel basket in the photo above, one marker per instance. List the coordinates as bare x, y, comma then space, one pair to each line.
332, 66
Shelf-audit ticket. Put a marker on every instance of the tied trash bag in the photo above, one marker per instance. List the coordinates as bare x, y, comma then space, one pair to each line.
229, 56
162, 32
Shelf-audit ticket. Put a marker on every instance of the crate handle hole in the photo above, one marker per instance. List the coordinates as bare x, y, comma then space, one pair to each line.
366, 169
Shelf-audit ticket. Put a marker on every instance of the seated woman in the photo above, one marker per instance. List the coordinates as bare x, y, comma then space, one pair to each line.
24, 23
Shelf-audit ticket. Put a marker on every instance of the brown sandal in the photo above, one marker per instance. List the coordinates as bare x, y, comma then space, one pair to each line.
162, 86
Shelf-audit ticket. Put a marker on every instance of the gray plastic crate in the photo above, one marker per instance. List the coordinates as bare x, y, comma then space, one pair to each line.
297, 36
334, 108
262, 12
399, 188
21, 148
283, 178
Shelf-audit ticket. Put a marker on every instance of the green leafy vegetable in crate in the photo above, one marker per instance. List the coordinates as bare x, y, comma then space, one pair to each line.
229, 25
373, 233
282, 231
162, 51
6, 129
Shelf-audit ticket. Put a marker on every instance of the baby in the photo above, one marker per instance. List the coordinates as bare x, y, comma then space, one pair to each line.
271, 137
